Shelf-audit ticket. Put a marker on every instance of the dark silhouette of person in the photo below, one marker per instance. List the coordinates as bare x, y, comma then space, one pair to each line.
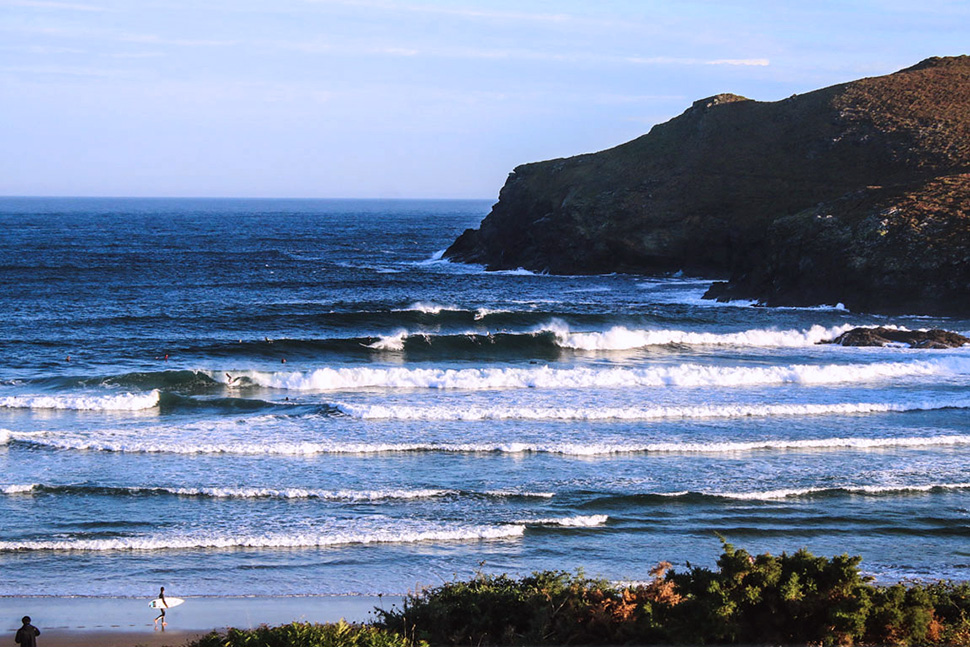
27, 635
164, 605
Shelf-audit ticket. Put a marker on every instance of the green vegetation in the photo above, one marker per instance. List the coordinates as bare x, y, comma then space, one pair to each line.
796, 599
304, 634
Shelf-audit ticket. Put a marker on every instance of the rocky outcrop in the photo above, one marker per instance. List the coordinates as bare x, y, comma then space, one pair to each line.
935, 338
857, 193
898, 249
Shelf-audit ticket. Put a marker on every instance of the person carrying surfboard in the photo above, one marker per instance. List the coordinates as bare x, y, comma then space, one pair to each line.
161, 607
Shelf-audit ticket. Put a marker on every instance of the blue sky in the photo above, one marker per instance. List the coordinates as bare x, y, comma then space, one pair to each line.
418, 98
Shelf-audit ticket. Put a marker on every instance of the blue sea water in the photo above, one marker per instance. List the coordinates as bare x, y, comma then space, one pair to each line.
298, 397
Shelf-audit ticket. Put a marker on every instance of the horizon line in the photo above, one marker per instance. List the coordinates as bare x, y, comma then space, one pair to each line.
228, 197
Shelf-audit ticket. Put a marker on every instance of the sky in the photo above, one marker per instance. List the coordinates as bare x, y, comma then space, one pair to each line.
409, 99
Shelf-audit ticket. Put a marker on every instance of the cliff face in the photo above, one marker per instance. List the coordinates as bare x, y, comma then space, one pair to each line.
856, 193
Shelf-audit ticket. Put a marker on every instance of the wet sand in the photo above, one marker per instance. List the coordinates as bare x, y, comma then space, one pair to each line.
127, 622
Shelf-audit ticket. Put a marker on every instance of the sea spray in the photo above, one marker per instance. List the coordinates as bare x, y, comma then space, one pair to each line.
547, 377
135, 445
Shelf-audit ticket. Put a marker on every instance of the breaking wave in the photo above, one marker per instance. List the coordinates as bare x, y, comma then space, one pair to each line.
545, 377
583, 521
354, 496
777, 495
473, 413
872, 490
301, 540
622, 338
90, 402
557, 448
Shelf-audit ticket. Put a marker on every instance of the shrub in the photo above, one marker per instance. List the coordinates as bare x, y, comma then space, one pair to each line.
789, 599
304, 634
548, 607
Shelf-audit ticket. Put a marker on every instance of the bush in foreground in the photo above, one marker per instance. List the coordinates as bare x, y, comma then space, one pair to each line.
789, 599
304, 634
796, 599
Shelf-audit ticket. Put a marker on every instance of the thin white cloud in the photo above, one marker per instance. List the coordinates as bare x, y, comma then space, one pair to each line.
534, 55
42, 50
135, 55
755, 62
59, 70
151, 39
619, 99
458, 12
490, 15
48, 4
669, 60
400, 51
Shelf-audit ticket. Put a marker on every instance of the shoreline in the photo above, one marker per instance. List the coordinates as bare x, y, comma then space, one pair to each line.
124, 622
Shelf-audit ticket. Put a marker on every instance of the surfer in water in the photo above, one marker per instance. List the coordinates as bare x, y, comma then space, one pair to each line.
161, 608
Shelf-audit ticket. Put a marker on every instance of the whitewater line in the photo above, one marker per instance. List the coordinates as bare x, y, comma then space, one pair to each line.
266, 493
546, 377
474, 413
303, 540
564, 449
871, 490
89, 402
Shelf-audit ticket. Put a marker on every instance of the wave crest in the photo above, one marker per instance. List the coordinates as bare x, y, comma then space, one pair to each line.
302, 540
90, 402
473, 413
545, 377
565, 449
622, 338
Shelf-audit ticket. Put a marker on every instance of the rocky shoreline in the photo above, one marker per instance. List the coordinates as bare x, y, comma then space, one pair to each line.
857, 194
881, 336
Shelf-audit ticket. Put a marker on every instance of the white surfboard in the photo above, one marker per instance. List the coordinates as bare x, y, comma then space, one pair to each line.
171, 602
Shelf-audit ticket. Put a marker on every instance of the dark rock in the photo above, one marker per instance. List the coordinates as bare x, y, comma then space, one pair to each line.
935, 338
857, 193
901, 249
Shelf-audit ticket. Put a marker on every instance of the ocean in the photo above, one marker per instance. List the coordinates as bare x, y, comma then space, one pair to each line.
300, 397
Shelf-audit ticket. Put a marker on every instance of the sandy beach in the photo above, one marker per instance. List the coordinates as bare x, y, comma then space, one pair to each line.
127, 622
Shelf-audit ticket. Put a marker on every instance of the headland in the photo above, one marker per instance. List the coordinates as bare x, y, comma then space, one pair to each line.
858, 193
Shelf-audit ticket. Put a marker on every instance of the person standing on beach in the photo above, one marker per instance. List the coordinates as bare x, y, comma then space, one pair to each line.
27, 635
162, 607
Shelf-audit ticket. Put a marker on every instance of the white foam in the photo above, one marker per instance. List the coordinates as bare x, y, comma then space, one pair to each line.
853, 489
437, 261
301, 493
481, 313
293, 493
545, 377
428, 307
511, 493
393, 342
474, 413
622, 338
519, 271
90, 402
695, 296
298, 540
17, 488
138, 445
582, 521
